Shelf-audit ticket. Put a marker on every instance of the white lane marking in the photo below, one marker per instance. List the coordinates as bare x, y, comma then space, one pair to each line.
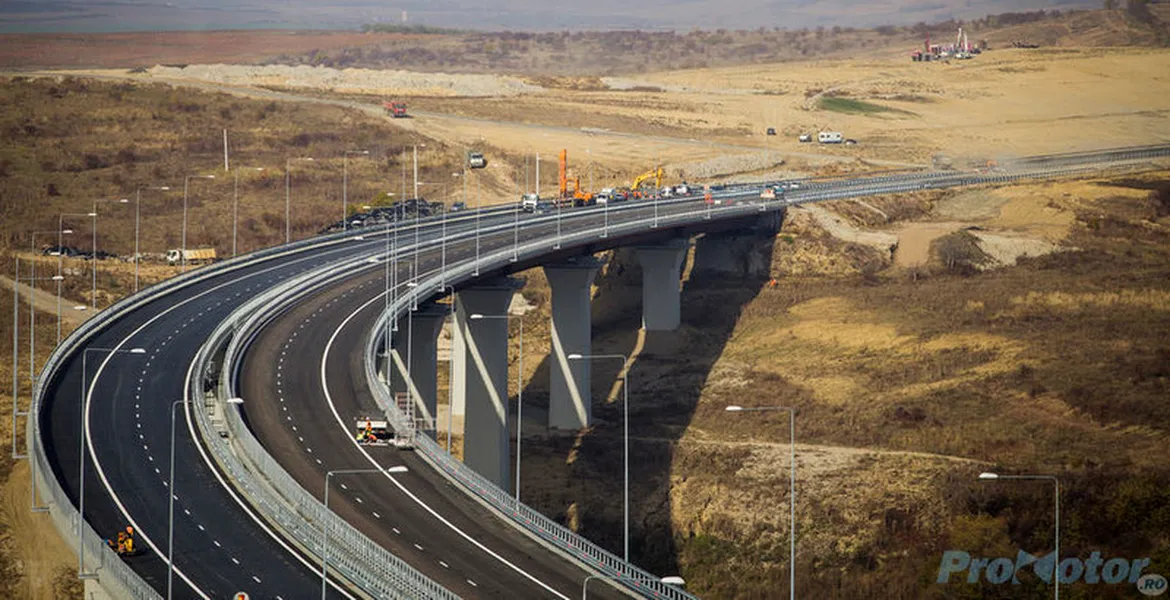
417, 546
396, 530
473, 584
394, 480
101, 470
256, 579
444, 565
377, 516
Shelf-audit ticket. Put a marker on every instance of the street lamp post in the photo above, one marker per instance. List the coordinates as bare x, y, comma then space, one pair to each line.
87, 390
32, 307
137, 212
345, 185
186, 182
324, 524
791, 485
671, 580
516, 221
236, 205
32, 313
625, 436
1056, 551
288, 195
478, 210
519, 388
60, 255
93, 251
172, 495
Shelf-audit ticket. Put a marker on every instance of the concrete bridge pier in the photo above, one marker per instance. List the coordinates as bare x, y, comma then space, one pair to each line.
415, 352
479, 358
661, 272
569, 391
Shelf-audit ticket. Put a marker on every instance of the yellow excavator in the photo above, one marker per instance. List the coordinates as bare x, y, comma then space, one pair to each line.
657, 174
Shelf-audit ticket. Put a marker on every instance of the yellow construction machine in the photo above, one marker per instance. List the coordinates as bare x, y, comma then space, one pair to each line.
656, 174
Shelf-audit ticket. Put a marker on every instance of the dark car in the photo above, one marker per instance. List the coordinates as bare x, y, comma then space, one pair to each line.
771, 131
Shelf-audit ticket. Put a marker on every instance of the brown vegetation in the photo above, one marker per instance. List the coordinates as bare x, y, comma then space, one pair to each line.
69, 142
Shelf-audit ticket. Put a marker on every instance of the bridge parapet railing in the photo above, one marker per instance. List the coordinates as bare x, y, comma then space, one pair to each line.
271, 489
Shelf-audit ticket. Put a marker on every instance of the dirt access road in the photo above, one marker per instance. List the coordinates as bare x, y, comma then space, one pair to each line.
609, 147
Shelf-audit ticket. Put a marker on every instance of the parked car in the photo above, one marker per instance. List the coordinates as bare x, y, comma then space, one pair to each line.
805, 137
771, 131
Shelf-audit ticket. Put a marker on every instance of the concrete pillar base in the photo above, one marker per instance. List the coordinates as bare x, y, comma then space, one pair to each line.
482, 348
420, 330
661, 271
569, 390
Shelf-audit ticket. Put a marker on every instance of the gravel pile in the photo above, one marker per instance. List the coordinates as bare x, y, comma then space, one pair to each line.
400, 83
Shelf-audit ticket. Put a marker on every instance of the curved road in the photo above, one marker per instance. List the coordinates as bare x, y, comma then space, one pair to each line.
220, 546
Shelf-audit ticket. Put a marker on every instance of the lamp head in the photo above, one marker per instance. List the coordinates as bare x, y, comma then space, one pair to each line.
575, 356
734, 408
986, 475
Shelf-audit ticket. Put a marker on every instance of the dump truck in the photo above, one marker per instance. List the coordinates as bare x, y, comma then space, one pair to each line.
395, 109
192, 256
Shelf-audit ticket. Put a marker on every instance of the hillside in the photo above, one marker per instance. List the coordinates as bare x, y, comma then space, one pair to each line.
566, 53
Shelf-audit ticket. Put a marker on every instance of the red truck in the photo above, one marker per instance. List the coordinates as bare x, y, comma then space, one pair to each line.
395, 109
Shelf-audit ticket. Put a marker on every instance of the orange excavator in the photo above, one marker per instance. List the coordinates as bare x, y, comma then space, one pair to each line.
576, 196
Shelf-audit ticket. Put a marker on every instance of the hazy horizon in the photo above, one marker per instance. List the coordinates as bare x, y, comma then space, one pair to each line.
53, 16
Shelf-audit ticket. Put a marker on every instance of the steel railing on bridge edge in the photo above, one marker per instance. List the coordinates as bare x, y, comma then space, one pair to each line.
64, 514
114, 574
264, 482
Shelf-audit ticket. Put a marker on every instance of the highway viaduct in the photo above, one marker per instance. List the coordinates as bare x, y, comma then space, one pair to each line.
103, 414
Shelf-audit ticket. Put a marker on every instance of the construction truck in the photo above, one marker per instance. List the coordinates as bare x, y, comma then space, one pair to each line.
576, 196
192, 256
653, 174
529, 202
475, 160
395, 109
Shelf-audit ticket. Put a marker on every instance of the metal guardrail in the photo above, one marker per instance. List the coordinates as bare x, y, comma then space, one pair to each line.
114, 575
504, 503
526, 518
267, 486
121, 578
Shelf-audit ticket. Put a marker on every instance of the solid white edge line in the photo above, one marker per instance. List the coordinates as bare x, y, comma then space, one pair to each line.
416, 499
101, 471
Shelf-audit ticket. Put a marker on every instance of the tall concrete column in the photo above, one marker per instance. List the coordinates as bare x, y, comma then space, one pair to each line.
569, 391
484, 377
661, 271
420, 331
457, 364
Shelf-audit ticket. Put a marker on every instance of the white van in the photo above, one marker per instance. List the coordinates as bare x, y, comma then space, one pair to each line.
830, 137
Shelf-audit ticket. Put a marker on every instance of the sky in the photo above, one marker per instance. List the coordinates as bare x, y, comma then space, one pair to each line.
38, 16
